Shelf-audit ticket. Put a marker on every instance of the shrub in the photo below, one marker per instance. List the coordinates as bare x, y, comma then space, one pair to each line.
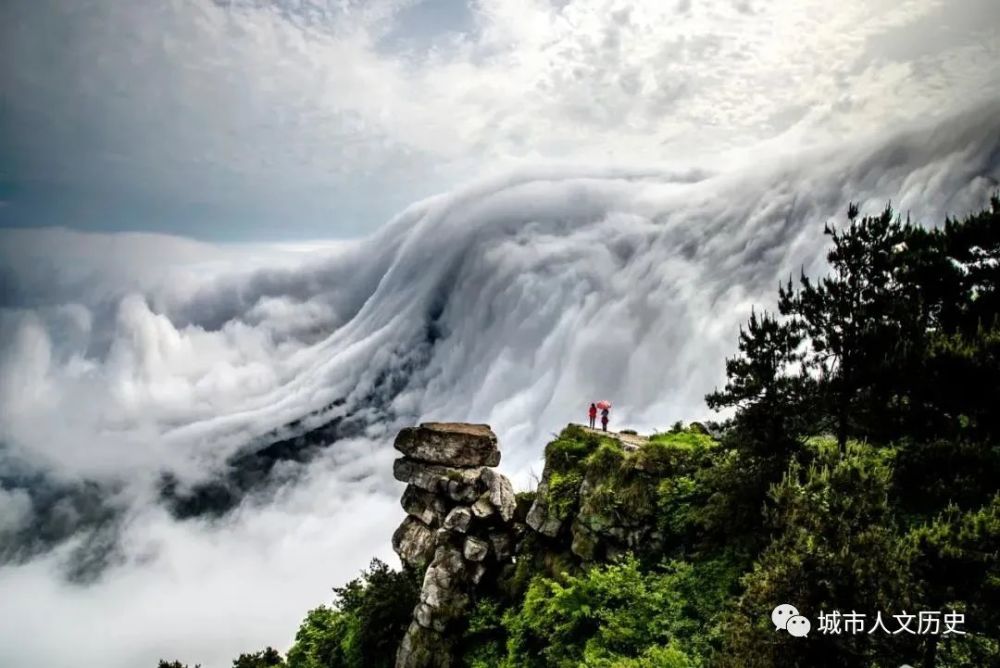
618, 615
266, 658
364, 625
607, 459
484, 639
676, 498
570, 448
836, 547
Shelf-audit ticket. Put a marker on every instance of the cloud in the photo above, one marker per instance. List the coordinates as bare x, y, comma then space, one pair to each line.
130, 360
506, 301
15, 510
219, 118
202, 592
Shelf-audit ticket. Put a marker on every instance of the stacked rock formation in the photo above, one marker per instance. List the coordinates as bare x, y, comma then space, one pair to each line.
458, 528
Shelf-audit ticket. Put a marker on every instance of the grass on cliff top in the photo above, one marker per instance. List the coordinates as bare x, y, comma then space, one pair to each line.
575, 446
688, 439
572, 447
622, 478
578, 450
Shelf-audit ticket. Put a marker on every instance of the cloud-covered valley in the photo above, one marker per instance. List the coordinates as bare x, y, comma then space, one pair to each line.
195, 438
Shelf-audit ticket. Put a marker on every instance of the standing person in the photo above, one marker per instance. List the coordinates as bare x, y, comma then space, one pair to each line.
604, 419
593, 415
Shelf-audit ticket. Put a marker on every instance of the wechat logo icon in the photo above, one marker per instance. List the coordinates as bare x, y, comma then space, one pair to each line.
786, 617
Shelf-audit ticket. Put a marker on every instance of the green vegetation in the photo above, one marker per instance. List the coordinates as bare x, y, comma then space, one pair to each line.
859, 470
621, 615
623, 482
562, 492
363, 627
684, 439
267, 658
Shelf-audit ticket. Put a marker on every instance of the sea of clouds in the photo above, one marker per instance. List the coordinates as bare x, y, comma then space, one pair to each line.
513, 301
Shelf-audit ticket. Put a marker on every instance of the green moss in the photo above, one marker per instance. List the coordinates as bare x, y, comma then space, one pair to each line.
623, 483
690, 439
602, 500
564, 492
523, 503
515, 578
625, 487
526, 498
606, 459
636, 496
673, 453
571, 448
568, 459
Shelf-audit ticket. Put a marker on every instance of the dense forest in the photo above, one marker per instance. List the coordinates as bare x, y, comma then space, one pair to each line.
858, 474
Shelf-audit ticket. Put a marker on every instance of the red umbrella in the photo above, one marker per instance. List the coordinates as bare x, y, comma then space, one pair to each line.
603, 404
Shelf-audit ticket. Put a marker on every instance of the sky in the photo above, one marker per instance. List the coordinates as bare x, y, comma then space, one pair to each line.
127, 359
226, 224
253, 120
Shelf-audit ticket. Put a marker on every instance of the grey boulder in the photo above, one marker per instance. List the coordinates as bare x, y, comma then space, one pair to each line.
450, 444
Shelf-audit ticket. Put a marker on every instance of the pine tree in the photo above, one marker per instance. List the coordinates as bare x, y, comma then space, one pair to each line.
765, 385
858, 320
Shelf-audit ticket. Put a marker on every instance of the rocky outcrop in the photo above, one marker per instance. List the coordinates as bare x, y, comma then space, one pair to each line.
593, 530
463, 485
540, 518
599, 499
459, 528
414, 542
450, 443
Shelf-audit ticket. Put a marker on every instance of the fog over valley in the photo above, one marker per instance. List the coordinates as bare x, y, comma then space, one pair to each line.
244, 242
203, 433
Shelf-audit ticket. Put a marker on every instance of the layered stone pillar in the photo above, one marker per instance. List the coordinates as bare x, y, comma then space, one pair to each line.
458, 528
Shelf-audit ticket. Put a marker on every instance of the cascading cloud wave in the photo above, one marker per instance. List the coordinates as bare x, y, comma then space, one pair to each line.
131, 359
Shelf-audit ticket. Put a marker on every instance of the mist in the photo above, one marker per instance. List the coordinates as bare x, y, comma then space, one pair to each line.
195, 439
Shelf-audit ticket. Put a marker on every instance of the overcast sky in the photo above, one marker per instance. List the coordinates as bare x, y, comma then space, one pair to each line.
606, 189
304, 119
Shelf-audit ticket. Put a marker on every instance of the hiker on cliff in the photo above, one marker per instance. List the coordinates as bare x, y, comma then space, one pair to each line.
604, 419
593, 415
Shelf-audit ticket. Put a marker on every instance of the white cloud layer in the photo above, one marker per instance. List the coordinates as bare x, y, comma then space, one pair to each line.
511, 301
321, 117
542, 283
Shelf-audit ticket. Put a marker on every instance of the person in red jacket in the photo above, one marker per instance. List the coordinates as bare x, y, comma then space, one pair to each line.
593, 415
